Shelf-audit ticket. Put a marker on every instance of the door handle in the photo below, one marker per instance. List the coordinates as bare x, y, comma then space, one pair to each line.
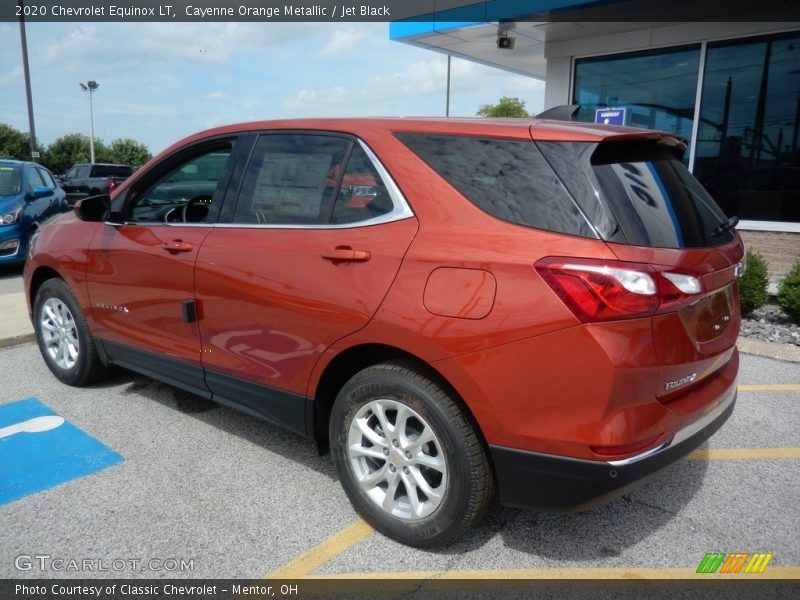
346, 254
176, 246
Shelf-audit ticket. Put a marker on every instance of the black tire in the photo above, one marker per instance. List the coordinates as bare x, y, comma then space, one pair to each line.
79, 364
464, 484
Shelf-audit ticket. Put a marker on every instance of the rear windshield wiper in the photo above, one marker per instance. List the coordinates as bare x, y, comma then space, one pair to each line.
726, 225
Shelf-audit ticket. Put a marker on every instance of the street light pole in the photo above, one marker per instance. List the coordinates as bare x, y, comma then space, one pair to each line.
90, 86
447, 102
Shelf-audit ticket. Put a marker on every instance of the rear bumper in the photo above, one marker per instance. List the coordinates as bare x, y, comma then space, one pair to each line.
548, 482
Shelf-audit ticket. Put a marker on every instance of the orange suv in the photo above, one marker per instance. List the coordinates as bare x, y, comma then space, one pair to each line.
456, 308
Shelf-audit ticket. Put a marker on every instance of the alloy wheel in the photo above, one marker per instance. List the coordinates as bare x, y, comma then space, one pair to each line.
397, 459
59, 333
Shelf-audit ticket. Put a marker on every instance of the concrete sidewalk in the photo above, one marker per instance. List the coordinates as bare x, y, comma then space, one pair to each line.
15, 324
16, 328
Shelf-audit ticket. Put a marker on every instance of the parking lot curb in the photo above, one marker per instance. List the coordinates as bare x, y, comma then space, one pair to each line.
17, 340
788, 352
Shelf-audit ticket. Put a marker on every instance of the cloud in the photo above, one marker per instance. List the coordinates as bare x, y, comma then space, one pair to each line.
10, 75
415, 82
344, 43
161, 81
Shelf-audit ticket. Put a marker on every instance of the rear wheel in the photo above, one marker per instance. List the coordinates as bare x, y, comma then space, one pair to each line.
408, 456
63, 336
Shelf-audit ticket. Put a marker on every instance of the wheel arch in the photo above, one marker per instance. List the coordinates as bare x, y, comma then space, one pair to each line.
357, 358
40, 275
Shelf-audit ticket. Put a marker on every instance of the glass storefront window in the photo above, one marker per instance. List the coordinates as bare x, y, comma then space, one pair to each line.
747, 145
658, 89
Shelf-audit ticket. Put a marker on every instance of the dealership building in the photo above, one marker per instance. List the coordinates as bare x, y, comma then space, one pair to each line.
732, 89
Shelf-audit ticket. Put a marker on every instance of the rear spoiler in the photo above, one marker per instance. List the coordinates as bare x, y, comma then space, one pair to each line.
566, 112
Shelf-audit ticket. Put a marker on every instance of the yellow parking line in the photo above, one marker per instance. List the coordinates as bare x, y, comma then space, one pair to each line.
743, 453
323, 553
633, 573
771, 387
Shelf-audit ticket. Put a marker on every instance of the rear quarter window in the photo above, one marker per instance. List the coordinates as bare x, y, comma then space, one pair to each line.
508, 179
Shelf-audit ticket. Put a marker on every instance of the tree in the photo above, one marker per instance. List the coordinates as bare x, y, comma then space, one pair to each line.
505, 107
129, 152
14, 143
73, 148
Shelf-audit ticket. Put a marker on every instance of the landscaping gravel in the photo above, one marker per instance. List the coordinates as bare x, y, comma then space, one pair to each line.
770, 324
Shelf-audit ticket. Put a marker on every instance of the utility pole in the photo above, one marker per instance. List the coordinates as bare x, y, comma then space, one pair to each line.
24, 42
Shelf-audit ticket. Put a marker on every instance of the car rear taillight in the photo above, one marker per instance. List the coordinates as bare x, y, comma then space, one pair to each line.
112, 184
607, 290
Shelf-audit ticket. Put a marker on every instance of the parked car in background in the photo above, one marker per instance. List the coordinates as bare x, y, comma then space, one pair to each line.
29, 195
91, 179
455, 307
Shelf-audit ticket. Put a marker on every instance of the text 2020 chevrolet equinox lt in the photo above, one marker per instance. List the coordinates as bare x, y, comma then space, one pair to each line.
543, 310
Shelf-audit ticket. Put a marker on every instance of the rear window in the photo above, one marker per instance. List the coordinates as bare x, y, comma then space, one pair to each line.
111, 171
508, 179
638, 193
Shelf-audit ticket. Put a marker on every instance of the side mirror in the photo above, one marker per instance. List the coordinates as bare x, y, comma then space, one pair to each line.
40, 192
93, 209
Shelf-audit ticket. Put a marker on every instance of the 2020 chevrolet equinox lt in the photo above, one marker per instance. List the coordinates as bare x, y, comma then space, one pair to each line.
458, 308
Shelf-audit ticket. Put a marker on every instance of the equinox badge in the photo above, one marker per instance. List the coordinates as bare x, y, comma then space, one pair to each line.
671, 385
114, 307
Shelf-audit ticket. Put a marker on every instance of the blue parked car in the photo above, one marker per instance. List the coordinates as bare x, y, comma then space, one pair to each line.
29, 195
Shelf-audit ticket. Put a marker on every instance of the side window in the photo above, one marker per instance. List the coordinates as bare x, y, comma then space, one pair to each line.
291, 179
34, 179
187, 192
47, 179
72, 173
83, 172
362, 194
507, 179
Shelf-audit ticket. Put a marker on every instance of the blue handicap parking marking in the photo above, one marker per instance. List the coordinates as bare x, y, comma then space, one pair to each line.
40, 449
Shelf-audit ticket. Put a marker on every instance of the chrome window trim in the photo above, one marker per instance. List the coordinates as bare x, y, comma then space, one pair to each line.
153, 224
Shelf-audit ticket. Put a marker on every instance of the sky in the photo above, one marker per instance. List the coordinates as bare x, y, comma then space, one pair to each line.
162, 81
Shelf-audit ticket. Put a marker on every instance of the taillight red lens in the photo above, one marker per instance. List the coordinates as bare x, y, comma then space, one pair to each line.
112, 185
607, 290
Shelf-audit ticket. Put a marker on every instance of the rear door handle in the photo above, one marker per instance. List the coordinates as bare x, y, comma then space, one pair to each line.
346, 254
176, 246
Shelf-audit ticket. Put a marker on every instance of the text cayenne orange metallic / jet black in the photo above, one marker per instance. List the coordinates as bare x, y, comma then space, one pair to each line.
457, 308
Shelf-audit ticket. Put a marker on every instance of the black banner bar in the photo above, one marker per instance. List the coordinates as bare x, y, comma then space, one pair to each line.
711, 588
440, 11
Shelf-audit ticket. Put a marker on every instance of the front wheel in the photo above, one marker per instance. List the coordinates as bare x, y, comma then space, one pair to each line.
63, 336
408, 456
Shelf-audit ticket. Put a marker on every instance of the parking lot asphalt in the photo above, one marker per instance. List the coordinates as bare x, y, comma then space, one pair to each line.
208, 493
232, 496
